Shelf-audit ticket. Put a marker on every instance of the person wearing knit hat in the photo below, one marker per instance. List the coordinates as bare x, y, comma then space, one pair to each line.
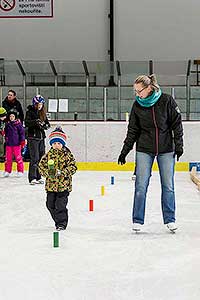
13, 112
15, 142
57, 166
57, 135
3, 114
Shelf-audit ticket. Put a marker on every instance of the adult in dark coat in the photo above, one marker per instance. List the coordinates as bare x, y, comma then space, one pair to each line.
11, 102
155, 126
36, 123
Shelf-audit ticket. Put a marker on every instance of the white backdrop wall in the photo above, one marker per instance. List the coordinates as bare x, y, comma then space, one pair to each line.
158, 30
77, 31
162, 30
102, 142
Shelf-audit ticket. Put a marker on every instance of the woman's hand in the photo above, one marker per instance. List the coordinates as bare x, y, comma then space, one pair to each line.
121, 159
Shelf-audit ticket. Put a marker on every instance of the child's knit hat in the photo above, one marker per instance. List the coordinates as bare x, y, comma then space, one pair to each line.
3, 112
14, 112
57, 135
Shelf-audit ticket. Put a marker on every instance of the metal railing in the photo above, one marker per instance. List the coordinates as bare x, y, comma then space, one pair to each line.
87, 85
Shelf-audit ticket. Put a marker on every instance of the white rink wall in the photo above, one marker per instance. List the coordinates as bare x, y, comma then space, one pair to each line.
102, 141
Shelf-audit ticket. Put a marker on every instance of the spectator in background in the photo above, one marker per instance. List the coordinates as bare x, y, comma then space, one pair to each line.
11, 102
15, 141
3, 115
36, 123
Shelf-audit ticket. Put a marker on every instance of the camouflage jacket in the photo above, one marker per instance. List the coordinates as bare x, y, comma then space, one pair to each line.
64, 168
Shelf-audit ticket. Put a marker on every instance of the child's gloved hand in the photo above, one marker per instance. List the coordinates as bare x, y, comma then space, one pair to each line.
22, 144
59, 172
2, 132
51, 169
52, 173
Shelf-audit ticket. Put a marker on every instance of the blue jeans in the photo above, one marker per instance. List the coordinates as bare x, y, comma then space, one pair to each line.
144, 164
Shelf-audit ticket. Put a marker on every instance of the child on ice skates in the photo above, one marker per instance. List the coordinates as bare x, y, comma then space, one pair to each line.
58, 166
3, 114
15, 141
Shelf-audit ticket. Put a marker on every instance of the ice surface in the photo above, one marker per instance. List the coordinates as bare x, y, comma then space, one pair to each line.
99, 257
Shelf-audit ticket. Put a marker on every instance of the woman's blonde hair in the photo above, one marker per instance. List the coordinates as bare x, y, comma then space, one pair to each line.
148, 80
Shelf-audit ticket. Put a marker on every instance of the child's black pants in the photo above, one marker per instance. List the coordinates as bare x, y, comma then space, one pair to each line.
57, 205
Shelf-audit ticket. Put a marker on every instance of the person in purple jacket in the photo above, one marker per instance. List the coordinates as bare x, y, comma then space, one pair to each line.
15, 141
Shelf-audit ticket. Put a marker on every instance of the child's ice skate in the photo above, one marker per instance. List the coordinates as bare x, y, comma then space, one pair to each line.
33, 182
59, 228
40, 181
6, 174
20, 174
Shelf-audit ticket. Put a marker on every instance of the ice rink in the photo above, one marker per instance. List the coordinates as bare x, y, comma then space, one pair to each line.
99, 257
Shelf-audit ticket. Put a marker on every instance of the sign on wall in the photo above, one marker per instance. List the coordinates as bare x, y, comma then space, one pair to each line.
58, 105
26, 8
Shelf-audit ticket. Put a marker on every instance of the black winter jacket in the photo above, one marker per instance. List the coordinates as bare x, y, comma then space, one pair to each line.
156, 129
34, 129
8, 105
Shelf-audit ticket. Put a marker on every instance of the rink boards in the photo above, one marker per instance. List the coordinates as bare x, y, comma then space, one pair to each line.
113, 166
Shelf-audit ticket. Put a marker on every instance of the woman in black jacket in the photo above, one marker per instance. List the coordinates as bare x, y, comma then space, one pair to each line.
155, 126
36, 123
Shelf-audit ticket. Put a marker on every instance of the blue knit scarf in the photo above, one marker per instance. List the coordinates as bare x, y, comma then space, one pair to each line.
150, 100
